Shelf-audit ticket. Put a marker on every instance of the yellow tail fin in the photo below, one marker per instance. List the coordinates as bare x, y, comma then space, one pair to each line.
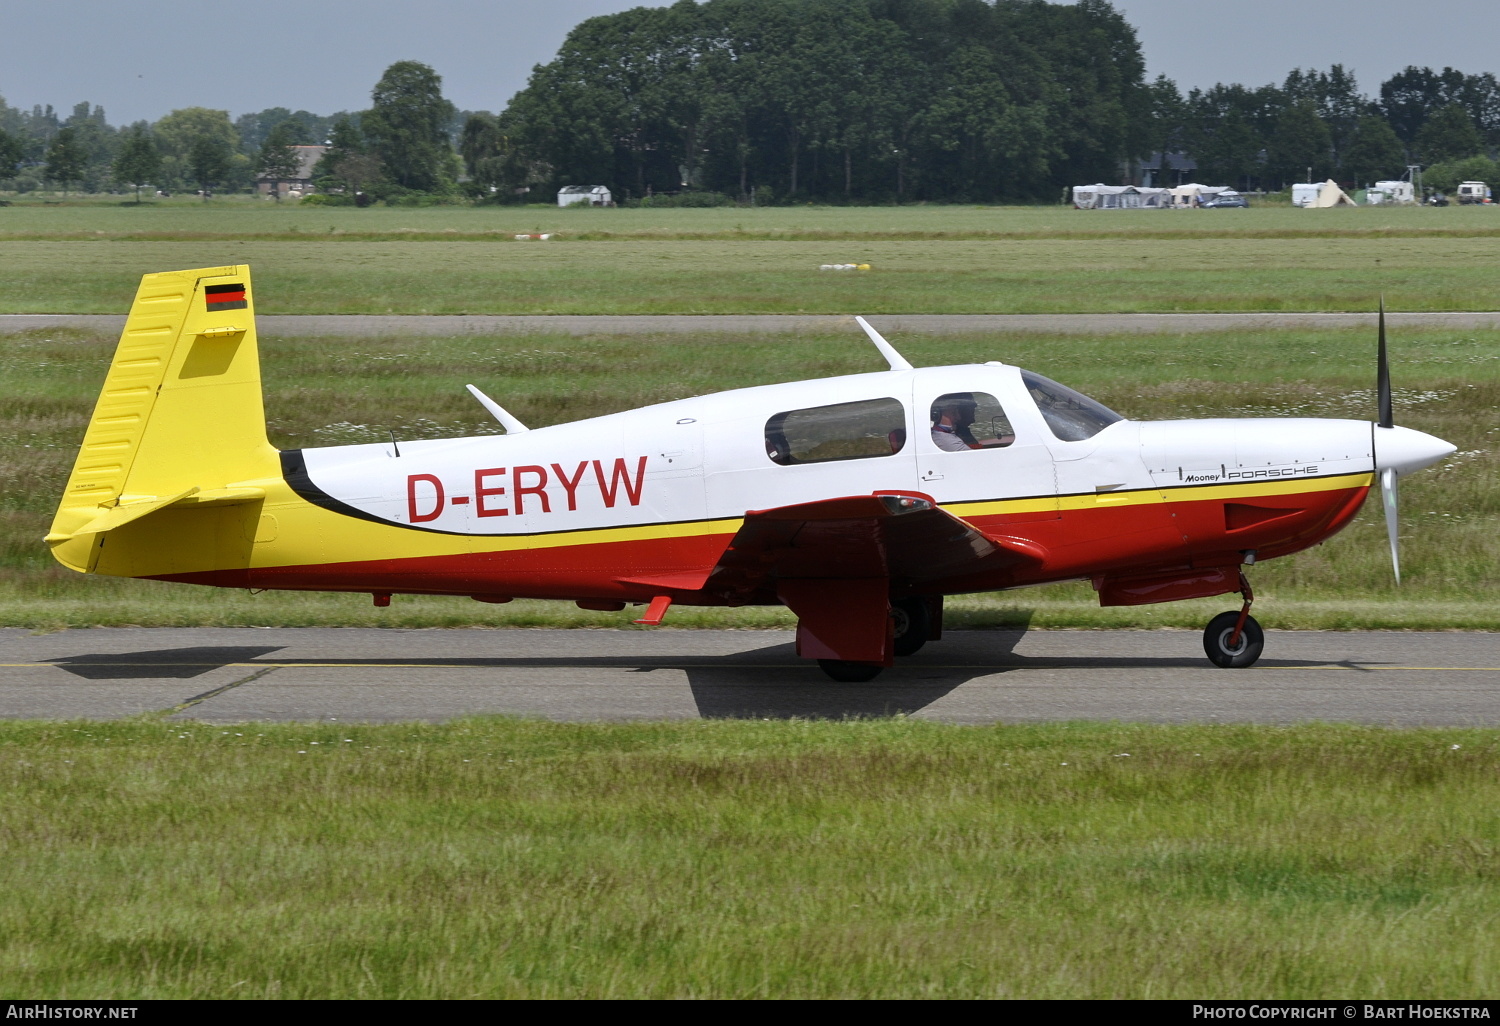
180, 419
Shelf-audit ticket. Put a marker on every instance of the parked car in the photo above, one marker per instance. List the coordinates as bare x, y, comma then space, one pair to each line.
1224, 201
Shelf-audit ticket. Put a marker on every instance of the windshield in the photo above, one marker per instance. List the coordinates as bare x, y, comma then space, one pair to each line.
1071, 415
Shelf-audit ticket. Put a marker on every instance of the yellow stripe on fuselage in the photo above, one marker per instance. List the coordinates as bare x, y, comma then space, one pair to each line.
1144, 496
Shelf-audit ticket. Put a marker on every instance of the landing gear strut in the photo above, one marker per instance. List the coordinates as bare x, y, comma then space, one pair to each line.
1234, 639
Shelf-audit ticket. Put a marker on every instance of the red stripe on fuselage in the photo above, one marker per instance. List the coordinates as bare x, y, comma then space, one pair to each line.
1141, 538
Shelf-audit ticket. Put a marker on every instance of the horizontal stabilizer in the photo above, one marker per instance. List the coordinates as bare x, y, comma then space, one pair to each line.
126, 512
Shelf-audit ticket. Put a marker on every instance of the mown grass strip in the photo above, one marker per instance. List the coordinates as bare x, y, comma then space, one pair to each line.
1042, 275
876, 858
243, 218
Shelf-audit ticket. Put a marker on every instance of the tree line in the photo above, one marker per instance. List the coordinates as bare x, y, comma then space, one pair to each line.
40, 147
880, 100
1320, 124
775, 101
403, 145
843, 100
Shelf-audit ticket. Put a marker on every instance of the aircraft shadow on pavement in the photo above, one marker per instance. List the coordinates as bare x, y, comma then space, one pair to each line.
739, 690
761, 683
161, 663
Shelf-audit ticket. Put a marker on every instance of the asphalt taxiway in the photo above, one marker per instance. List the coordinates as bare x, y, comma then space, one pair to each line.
226, 675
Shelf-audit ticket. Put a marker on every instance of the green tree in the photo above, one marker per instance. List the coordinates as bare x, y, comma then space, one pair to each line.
208, 162
1299, 142
138, 161
1445, 177
1373, 152
484, 148
178, 133
306, 128
1226, 132
1448, 135
347, 166
407, 128
1168, 122
11, 154
98, 141
848, 99
66, 158
1409, 97
278, 159
344, 138
1336, 98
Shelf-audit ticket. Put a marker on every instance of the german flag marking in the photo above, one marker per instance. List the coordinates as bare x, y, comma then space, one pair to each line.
225, 297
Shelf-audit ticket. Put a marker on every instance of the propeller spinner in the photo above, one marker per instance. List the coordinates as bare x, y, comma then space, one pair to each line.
1398, 450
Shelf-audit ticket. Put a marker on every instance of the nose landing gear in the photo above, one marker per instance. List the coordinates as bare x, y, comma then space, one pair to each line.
1234, 639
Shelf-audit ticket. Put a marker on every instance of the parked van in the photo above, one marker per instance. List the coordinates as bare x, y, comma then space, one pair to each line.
1473, 192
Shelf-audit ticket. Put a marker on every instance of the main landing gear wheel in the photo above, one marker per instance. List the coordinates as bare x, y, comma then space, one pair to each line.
1219, 632
846, 672
912, 622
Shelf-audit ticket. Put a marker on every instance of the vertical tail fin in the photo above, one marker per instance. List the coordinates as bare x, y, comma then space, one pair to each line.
180, 417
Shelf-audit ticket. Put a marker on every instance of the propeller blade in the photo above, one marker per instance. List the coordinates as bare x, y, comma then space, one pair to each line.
1388, 499
1383, 376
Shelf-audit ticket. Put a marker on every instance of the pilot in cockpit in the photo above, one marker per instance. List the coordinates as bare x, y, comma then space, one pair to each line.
953, 418
952, 423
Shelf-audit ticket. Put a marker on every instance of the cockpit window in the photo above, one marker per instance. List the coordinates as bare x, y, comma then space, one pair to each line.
844, 431
1071, 415
969, 420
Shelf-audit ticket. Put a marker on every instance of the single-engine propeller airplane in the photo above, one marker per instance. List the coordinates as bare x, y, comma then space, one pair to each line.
858, 501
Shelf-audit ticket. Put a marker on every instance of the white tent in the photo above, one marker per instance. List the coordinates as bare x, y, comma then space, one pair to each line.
1320, 194
1194, 195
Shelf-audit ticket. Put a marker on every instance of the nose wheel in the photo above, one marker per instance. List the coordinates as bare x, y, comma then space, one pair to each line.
1234, 639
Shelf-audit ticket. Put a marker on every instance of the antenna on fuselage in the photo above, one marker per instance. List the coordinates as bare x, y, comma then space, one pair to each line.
511, 424
895, 359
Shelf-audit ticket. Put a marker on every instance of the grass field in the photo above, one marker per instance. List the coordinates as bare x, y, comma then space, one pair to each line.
88, 258
856, 859
322, 392
234, 218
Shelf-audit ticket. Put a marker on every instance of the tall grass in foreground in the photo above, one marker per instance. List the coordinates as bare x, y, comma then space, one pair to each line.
341, 390
886, 858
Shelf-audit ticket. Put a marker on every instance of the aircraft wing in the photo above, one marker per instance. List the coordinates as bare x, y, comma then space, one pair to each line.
906, 538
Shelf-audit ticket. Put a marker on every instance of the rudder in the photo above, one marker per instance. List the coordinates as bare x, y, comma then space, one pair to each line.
180, 419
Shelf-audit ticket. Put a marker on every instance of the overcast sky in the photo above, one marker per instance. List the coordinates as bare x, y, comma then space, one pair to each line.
144, 58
